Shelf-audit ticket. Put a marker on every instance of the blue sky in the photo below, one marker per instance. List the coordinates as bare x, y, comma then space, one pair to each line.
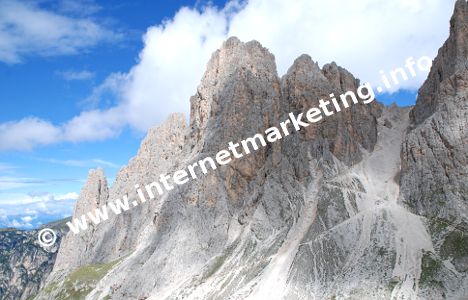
82, 81
54, 87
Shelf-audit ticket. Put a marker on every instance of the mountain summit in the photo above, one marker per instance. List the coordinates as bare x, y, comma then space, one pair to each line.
370, 203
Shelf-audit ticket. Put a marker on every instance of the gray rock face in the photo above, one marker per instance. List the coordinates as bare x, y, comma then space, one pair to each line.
434, 155
154, 157
94, 194
446, 76
24, 264
435, 161
342, 135
316, 215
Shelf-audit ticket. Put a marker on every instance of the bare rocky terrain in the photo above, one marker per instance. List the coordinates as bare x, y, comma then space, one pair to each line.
370, 203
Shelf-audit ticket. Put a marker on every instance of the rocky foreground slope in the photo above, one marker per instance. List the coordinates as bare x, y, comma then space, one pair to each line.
370, 203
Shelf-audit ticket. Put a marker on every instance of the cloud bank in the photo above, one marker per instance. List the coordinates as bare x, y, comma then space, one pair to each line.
365, 36
31, 211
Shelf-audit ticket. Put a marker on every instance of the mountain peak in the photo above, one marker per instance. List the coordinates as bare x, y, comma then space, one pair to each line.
452, 59
93, 194
239, 84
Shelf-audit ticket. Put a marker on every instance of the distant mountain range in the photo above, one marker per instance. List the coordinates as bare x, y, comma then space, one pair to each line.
24, 263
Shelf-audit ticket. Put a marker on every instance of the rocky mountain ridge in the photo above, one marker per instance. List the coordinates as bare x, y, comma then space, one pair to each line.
370, 203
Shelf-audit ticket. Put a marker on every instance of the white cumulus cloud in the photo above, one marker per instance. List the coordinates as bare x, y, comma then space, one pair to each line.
27, 133
364, 36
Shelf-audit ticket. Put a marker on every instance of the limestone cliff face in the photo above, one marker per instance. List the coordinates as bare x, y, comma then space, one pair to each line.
342, 135
446, 76
435, 156
94, 194
317, 214
238, 97
116, 237
435, 160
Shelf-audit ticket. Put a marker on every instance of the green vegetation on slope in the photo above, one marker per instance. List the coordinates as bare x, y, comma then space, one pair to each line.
79, 283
